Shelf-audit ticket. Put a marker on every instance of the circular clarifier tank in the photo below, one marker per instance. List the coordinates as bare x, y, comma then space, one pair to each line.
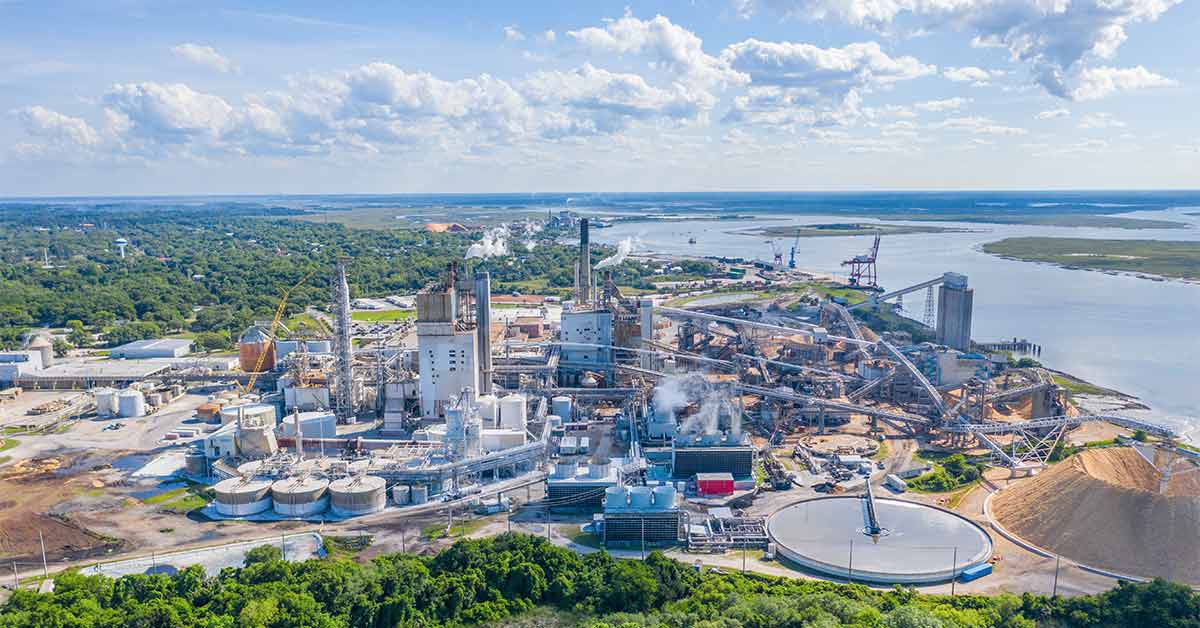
917, 544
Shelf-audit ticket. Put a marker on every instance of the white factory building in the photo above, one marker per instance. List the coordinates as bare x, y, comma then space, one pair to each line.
448, 350
153, 348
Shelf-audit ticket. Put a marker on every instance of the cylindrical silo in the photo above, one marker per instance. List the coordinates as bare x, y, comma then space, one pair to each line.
131, 403
264, 413
565, 469
256, 350
300, 496
641, 498
512, 412
615, 497
420, 494
106, 401
489, 410
401, 495
250, 469
598, 469
195, 463
664, 497
562, 406
359, 495
238, 497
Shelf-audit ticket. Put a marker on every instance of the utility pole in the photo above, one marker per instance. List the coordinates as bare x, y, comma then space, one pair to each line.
16, 580
45, 568
850, 566
743, 558
1057, 563
401, 540
953, 570
643, 520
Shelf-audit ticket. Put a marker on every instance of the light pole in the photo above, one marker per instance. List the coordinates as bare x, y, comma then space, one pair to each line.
953, 570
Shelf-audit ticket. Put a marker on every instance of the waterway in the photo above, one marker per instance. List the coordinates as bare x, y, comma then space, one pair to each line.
1118, 331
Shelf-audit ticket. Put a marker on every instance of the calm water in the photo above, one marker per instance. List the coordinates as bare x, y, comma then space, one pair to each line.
1131, 334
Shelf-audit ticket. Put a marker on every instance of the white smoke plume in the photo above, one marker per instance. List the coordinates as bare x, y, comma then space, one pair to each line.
624, 248
493, 244
676, 393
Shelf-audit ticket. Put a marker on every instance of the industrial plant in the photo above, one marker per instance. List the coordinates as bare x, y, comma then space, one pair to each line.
647, 419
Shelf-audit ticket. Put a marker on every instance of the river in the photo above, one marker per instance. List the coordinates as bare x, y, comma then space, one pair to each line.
1122, 332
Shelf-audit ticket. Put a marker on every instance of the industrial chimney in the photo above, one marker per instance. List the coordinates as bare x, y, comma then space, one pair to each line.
584, 283
483, 329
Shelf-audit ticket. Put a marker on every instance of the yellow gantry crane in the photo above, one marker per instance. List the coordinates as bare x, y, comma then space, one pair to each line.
274, 325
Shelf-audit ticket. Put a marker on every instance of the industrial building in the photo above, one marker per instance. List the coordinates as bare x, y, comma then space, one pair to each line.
641, 515
153, 348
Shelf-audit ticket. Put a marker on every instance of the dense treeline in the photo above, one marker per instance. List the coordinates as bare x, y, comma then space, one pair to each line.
217, 271
491, 580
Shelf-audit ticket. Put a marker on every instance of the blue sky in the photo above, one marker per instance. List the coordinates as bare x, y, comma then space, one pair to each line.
174, 97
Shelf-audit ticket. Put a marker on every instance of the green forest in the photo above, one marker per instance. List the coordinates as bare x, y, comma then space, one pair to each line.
520, 580
209, 271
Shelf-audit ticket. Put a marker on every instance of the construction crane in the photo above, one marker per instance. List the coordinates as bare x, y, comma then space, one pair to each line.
274, 326
862, 267
795, 245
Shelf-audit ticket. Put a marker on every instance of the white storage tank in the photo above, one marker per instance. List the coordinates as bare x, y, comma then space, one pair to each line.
358, 495
512, 412
250, 469
614, 497
664, 497
489, 410
131, 403
641, 498
300, 496
401, 495
562, 406
565, 468
106, 401
598, 469
195, 463
262, 413
420, 494
238, 497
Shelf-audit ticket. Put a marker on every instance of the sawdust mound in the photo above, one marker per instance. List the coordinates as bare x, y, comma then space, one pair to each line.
1103, 508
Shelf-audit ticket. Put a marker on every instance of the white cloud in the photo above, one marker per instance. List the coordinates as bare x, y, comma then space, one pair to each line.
1052, 114
1056, 38
1100, 121
674, 47
606, 101
968, 74
512, 33
946, 104
167, 113
549, 36
205, 56
57, 128
1096, 83
978, 126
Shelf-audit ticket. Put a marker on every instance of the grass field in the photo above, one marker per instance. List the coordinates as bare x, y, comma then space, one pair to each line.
8, 444
1079, 387
304, 321
383, 316
1174, 259
460, 530
182, 500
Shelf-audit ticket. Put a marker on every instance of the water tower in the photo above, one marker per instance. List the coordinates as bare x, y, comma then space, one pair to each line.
121, 244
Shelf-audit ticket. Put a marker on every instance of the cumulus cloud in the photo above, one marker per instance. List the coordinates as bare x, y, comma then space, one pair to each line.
1056, 39
946, 104
1100, 121
549, 36
803, 84
968, 74
205, 56
166, 113
57, 128
1096, 83
669, 45
512, 33
605, 101
1053, 114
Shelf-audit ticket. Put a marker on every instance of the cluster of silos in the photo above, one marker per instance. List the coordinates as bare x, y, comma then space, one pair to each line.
239, 497
125, 403
639, 498
300, 496
357, 495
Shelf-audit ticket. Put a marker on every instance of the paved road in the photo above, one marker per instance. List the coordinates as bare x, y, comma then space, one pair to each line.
297, 547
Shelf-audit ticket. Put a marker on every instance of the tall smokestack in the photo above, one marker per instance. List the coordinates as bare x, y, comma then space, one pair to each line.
483, 329
343, 348
584, 296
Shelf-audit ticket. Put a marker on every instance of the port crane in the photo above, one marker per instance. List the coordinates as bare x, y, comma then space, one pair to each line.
778, 253
795, 245
862, 267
